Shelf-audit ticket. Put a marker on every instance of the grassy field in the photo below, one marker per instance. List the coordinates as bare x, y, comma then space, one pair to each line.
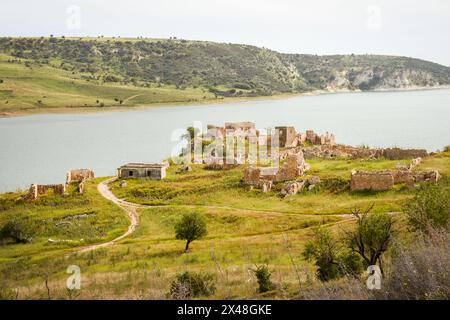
77, 219
30, 87
245, 228
224, 188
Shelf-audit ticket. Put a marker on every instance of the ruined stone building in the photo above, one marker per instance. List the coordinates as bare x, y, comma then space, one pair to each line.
155, 171
79, 175
316, 139
397, 153
233, 127
371, 180
37, 190
287, 136
263, 177
243, 126
386, 179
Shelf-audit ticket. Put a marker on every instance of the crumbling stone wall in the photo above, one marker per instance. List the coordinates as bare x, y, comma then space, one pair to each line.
293, 167
371, 180
397, 153
37, 190
287, 136
239, 126
346, 151
79, 175
316, 139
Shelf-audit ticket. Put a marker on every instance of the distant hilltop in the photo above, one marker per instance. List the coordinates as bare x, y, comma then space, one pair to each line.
223, 69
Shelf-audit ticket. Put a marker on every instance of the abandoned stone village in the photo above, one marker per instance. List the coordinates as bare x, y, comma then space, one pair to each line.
293, 150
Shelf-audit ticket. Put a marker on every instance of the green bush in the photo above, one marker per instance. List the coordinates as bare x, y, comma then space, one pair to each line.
17, 231
263, 275
332, 259
430, 207
335, 184
192, 284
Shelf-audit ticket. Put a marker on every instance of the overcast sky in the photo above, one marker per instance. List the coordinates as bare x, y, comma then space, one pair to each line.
416, 28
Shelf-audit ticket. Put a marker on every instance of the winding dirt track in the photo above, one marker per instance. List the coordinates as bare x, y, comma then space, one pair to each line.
129, 208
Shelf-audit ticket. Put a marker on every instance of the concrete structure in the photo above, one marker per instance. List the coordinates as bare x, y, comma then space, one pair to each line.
142, 170
371, 180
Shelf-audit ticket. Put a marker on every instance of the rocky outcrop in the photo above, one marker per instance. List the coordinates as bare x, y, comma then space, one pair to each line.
292, 188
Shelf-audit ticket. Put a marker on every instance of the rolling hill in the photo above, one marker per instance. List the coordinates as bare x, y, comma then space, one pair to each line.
43, 73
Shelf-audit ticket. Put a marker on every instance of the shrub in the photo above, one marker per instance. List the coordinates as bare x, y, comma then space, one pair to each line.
335, 184
430, 207
16, 231
192, 284
263, 275
330, 257
7, 293
420, 270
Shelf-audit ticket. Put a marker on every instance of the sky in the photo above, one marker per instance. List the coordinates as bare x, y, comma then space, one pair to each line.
414, 28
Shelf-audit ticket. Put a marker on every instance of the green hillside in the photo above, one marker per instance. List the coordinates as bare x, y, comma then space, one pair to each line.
42, 73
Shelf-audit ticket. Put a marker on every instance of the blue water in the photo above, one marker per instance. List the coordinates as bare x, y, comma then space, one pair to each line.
41, 148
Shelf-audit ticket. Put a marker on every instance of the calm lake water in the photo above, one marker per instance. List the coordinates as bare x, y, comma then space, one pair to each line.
41, 148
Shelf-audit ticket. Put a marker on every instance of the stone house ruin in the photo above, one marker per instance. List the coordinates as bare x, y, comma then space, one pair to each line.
233, 127
37, 190
397, 153
155, 171
316, 139
242, 126
287, 136
79, 175
385, 180
371, 180
263, 177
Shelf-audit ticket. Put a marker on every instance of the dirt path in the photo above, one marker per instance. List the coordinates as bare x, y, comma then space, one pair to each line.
129, 208
131, 98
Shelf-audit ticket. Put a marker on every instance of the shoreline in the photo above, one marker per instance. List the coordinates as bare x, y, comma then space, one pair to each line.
94, 110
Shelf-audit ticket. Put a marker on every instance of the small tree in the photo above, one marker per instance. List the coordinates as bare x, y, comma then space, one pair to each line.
192, 226
372, 236
331, 259
430, 207
263, 275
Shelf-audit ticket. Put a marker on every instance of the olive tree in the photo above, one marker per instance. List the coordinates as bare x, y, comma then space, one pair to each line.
371, 236
192, 226
330, 256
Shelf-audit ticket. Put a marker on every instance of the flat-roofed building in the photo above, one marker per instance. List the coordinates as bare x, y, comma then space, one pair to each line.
142, 170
